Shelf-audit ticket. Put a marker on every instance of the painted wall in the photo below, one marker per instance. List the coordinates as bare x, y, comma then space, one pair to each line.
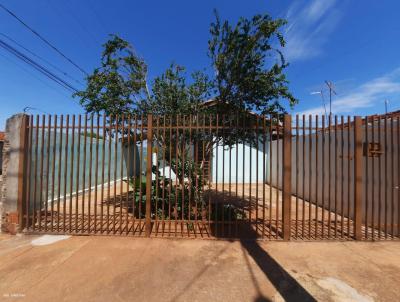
309, 174
239, 163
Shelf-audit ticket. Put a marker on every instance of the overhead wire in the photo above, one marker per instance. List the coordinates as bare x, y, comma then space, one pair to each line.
33, 75
42, 38
36, 66
42, 59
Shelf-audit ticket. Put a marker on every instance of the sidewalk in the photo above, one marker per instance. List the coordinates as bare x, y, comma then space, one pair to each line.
138, 269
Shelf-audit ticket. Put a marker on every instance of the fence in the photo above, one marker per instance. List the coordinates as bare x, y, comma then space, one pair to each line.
212, 176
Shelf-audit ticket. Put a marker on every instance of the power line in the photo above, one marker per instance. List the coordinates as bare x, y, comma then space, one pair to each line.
43, 39
33, 75
43, 59
37, 66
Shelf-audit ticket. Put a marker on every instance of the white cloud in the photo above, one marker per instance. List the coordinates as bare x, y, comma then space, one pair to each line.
309, 26
365, 96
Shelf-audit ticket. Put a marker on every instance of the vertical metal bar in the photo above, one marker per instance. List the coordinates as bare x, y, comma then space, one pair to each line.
41, 173
357, 178
35, 173
379, 181
216, 176
90, 174
398, 176
170, 175
203, 182
250, 126
65, 171
127, 170
366, 180
349, 175
336, 189
230, 183
109, 172
148, 173
47, 172
385, 169
303, 210
342, 177
323, 179
116, 121
310, 174
78, 165
316, 176
297, 176
164, 177
121, 172
71, 172
287, 175
59, 170
183, 174
53, 171
373, 181
270, 175
103, 151
177, 175
157, 178
243, 170
135, 172
209, 171
257, 141
223, 180
190, 173
392, 175
329, 175
84, 173
277, 179
164, 146
96, 171
264, 171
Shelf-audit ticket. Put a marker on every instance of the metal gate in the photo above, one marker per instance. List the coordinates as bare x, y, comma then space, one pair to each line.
212, 176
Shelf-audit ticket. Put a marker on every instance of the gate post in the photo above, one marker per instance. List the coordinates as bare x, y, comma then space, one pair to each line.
149, 174
286, 175
22, 173
357, 177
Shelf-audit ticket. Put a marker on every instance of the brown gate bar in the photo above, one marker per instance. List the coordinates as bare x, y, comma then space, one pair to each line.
211, 176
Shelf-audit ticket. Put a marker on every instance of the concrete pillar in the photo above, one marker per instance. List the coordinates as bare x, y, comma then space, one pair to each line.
11, 164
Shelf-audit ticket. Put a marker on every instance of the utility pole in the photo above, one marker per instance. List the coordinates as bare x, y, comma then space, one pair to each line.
331, 90
386, 106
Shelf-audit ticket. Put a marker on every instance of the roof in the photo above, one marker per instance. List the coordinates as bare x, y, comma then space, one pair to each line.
2, 136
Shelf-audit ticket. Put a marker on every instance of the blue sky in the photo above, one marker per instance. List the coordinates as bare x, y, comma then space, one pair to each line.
355, 44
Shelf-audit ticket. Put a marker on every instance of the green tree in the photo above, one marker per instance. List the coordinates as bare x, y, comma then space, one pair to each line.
248, 68
173, 93
119, 84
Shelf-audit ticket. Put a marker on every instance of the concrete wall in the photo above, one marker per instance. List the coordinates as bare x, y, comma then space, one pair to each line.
309, 175
11, 151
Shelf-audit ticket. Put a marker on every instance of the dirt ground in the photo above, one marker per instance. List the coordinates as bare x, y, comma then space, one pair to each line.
94, 212
102, 268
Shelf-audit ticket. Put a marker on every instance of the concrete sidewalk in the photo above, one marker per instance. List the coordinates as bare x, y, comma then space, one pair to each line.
137, 269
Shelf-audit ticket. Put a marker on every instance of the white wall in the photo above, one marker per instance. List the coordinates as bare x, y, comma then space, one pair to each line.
240, 164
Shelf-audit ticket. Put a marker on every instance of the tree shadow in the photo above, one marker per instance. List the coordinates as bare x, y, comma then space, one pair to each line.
287, 286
